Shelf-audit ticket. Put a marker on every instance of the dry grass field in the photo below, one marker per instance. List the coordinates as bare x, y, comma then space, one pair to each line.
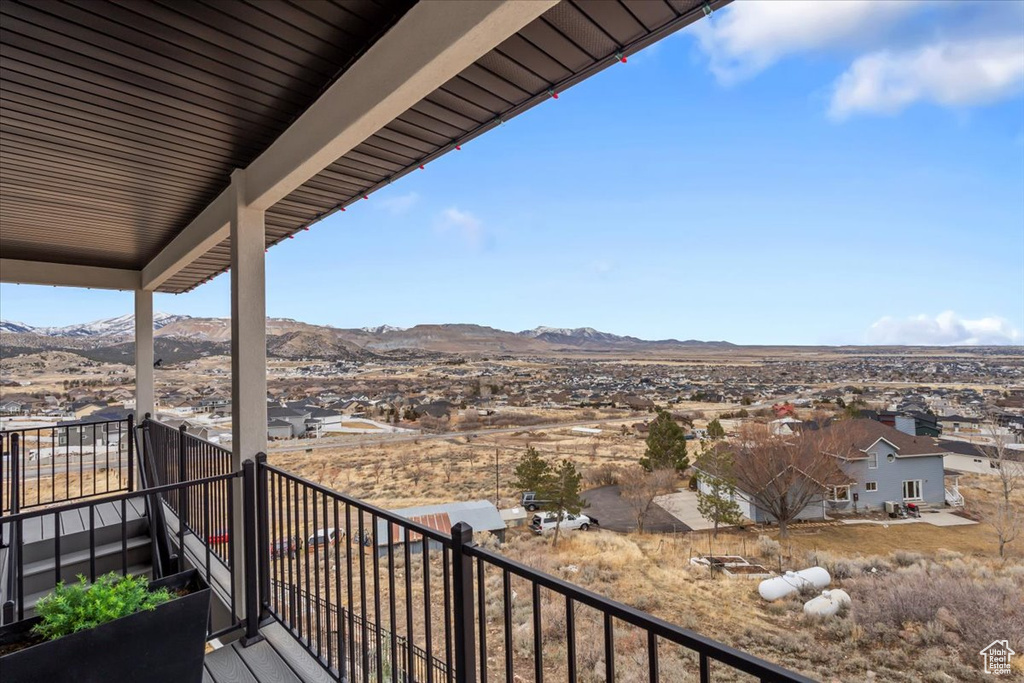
901, 627
395, 475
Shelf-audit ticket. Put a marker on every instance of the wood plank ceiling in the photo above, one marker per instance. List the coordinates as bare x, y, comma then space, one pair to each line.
120, 119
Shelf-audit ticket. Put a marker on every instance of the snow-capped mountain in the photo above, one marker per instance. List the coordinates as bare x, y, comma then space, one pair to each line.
186, 337
382, 329
563, 331
110, 327
11, 326
578, 335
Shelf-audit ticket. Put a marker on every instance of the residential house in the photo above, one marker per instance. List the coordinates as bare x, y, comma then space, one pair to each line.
814, 510
879, 463
213, 403
12, 408
280, 429
193, 428
957, 424
912, 423
886, 464
296, 419
93, 430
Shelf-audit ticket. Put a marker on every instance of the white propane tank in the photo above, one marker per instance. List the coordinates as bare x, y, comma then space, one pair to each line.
827, 604
792, 582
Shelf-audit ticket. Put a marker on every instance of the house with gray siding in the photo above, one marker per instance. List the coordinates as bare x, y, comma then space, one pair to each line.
814, 510
880, 464
885, 464
295, 418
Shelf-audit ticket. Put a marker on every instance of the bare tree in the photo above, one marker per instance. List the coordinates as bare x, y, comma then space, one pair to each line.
1007, 519
1007, 515
639, 488
783, 475
1009, 470
448, 468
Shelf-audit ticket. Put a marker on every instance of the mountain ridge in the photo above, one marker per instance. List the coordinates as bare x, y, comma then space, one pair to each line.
296, 339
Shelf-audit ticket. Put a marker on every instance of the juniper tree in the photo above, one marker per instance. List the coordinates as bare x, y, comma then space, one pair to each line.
716, 490
562, 487
532, 472
666, 445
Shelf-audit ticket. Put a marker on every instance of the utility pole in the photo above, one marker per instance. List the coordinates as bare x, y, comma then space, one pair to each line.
497, 476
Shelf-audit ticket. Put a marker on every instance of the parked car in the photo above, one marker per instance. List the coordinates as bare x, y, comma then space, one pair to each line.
531, 502
547, 521
327, 537
285, 546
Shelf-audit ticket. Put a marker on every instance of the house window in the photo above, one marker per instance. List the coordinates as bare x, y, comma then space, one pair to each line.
838, 494
890, 457
870, 486
912, 489
872, 461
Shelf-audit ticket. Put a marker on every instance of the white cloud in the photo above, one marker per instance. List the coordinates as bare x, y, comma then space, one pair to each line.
464, 224
947, 73
897, 52
746, 38
945, 329
399, 204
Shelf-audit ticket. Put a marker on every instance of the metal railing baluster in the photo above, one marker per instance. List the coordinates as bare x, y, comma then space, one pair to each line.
570, 639
481, 588
609, 647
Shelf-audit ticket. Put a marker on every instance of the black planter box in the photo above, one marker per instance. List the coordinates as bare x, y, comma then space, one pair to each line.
165, 644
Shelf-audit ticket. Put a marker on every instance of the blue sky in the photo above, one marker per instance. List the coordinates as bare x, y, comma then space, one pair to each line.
787, 173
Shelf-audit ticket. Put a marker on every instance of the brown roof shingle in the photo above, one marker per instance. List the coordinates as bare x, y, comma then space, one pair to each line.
862, 434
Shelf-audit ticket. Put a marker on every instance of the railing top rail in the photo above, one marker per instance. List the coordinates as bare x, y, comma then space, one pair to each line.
68, 425
715, 650
117, 497
404, 522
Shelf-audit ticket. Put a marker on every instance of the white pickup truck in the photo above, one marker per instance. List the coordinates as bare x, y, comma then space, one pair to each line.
545, 522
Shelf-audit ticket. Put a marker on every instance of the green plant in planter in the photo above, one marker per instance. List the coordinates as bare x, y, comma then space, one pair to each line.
80, 606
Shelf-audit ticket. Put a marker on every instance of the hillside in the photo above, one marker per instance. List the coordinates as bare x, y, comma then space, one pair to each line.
182, 338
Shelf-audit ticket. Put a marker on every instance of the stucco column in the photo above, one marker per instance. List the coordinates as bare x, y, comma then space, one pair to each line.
143, 354
248, 352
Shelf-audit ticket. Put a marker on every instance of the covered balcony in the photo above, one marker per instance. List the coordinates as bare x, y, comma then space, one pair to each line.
150, 147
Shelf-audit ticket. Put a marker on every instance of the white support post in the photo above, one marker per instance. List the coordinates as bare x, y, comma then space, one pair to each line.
144, 401
248, 353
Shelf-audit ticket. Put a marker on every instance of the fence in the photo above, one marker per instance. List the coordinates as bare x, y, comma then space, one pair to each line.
364, 591
86, 550
173, 456
38, 464
335, 621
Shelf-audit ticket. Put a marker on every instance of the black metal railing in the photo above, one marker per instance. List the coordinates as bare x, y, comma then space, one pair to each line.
77, 540
377, 597
335, 620
60, 463
383, 576
373, 596
177, 456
